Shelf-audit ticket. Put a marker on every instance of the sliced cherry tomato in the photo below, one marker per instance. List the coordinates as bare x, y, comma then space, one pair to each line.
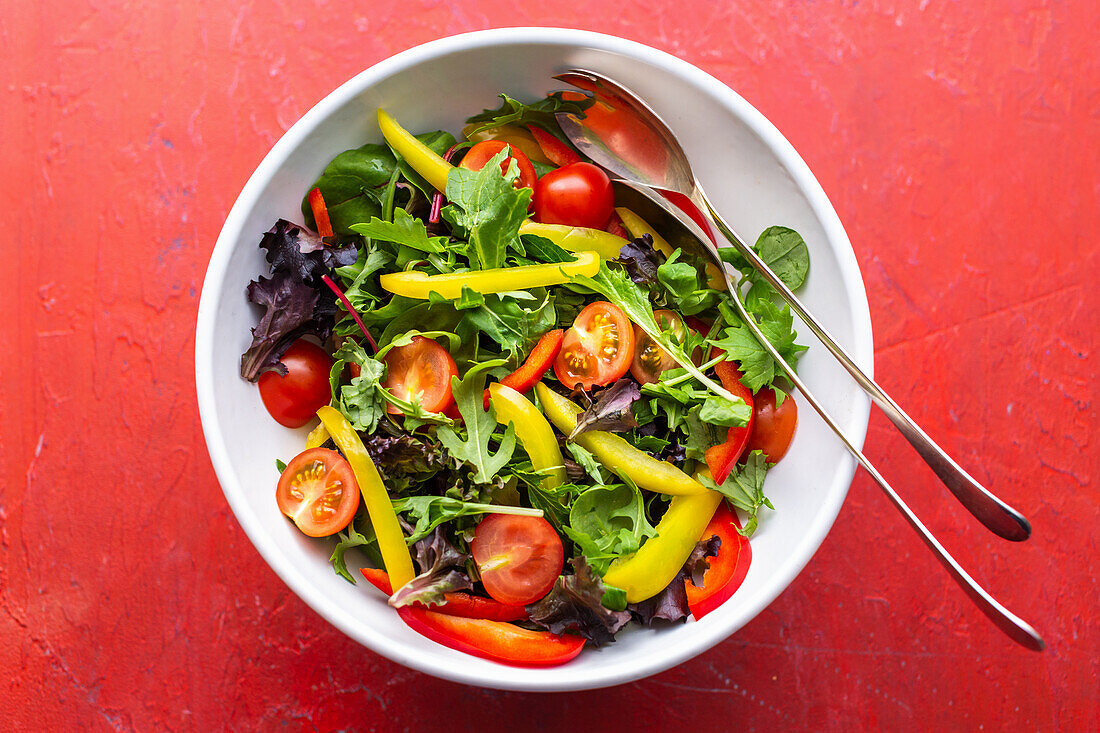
457, 604
727, 571
477, 156
501, 642
723, 457
293, 398
538, 362
650, 360
421, 371
554, 149
519, 557
773, 427
320, 212
318, 491
579, 195
598, 348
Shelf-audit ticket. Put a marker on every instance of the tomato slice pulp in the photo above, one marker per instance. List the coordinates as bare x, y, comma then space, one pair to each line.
518, 557
597, 349
650, 360
420, 371
318, 491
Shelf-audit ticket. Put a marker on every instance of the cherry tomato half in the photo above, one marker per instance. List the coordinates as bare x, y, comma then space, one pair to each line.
318, 491
598, 348
477, 156
420, 371
519, 558
650, 360
294, 398
579, 195
772, 427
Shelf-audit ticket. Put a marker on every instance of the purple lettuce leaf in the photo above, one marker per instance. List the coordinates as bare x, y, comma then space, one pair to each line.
671, 604
441, 571
611, 411
576, 604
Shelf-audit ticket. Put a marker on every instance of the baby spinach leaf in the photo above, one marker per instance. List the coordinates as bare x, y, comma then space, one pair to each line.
608, 521
782, 249
405, 229
439, 142
353, 185
479, 426
744, 488
486, 206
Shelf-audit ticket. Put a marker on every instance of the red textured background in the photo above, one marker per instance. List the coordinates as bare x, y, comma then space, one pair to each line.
960, 143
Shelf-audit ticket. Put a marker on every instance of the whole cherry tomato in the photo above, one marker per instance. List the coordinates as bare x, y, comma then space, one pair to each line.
294, 398
579, 195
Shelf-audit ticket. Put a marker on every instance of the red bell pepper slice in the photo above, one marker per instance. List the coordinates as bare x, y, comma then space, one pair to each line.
686, 205
320, 212
722, 457
458, 604
615, 226
558, 152
495, 640
727, 571
538, 362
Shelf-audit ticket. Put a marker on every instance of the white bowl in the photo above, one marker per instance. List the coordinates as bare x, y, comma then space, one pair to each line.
755, 178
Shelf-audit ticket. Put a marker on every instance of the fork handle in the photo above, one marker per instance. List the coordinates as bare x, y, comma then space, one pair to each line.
997, 516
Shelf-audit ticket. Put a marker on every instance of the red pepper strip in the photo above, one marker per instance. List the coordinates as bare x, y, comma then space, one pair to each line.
684, 203
558, 152
615, 226
727, 571
722, 457
458, 604
495, 640
320, 212
538, 363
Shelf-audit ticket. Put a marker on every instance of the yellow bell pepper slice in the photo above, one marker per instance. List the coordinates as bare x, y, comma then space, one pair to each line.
423, 159
637, 226
413, 284
577, 239
534, 433
391, 542
316, 437
649, 570
615, 453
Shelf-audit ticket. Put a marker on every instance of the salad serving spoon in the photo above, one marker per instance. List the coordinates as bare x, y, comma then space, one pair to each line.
681, 231
636, 145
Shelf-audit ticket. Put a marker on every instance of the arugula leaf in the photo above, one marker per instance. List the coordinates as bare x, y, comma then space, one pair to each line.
541, 113
351, 537
353, 185
587, 461
617, 287
544, 250
405, 230
479, 424
360, 401
699, 435
745, 489
758, 367
432, 511
489, 209
511, 325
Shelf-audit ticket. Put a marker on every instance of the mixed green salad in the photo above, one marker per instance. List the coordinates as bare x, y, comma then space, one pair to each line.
535, 418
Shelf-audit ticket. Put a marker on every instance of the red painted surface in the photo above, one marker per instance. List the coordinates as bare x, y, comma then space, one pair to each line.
958, 142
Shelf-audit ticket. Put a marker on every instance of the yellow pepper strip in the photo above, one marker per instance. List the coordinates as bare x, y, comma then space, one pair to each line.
615, 453
391, 543
534, 433
577, 239
514, 135
649, 570
423, 159
316, 437
413, 284
637, 227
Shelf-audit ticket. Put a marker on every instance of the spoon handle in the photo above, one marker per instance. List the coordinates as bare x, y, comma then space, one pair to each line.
1016, 628
996, 515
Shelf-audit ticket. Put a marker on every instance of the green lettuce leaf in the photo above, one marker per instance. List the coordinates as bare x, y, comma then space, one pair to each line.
479, 426
486, 206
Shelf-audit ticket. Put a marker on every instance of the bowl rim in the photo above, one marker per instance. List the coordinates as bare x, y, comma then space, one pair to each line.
861, 347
